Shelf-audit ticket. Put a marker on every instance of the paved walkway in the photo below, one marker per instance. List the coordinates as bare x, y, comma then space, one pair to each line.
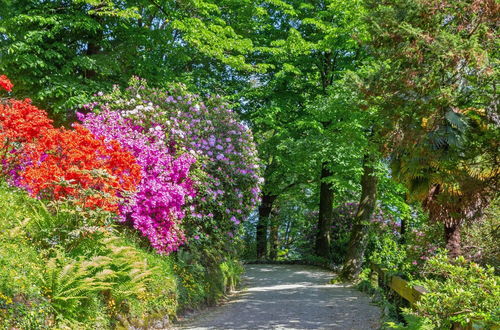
290, 297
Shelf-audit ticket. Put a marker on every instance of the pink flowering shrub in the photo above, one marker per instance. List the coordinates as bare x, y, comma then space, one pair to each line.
423, 243
223, 182
386, 221
158, 206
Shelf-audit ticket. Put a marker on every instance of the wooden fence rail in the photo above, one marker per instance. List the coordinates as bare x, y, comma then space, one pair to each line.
412, 294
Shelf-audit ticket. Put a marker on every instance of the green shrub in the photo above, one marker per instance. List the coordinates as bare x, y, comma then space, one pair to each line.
231, 273
65, 224
389, 254
480, 238
22, 304
412, 322
459, 291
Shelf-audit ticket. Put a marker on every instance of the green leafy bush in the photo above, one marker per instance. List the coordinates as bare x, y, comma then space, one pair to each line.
22, 304
480, 238
389, 254
63, 223
412, 322
459, 291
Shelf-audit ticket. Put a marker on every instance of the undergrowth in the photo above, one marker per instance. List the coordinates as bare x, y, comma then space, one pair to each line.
62, 266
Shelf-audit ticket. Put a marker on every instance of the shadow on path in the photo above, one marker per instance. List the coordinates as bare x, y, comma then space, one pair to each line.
290, 297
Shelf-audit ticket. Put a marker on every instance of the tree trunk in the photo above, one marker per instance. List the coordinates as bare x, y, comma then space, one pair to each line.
92, 49
453, 239
359, 234
93, 46
404, 225
402, 231
265, 209
325, 219
274, 238
441, 212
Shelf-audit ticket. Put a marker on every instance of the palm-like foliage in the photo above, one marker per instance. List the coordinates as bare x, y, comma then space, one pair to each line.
452, 172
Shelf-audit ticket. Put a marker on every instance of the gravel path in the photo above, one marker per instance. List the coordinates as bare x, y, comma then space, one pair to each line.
290, 297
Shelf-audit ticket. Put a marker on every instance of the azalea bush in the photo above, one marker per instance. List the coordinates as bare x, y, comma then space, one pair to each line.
20, 122
159, 204
182, 129
74, 163
54, 163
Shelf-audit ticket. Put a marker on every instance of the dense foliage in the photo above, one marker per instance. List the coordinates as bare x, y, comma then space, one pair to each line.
459, 292
348, 133
78, 272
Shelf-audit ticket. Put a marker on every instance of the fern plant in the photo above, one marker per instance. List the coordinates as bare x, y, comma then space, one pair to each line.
131, 274
71, 284
114, 277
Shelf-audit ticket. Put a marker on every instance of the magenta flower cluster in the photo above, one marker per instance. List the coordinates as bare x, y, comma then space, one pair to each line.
158, 206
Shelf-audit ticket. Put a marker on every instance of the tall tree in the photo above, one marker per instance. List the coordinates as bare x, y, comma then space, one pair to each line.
359, 234
306, 45
433, 85
61, 52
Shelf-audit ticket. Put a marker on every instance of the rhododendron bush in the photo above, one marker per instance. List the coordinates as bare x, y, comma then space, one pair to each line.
158, 206
156, 123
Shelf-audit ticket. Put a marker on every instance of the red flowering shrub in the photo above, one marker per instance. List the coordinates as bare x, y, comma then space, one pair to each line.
72, 163
20, 122
55, 163
5, 83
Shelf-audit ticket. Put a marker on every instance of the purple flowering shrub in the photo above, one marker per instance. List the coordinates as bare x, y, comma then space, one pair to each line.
199, 159
158, 206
